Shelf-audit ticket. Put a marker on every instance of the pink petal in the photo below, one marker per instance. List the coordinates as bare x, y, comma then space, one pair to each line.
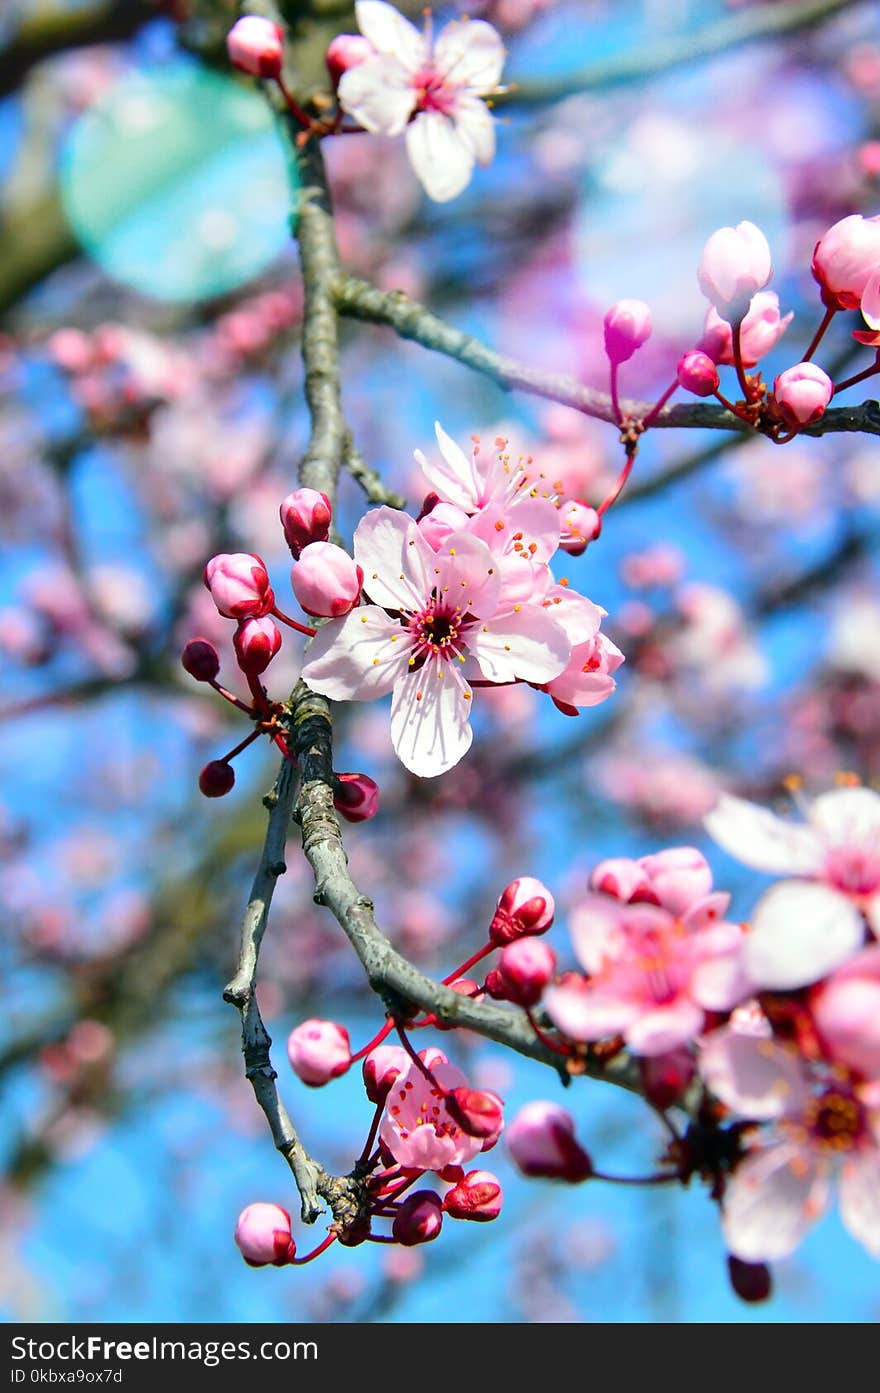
721, 982
378, 95
396, 560
871, 301
754, 1076
583, 1014
658, 1031
430, 720
466, 573
774, 1197
389, 32
799, 932
470, 52
579, 617
525, 644
457, 479
440, 158
597, 931
760, 839
860, 1199
358, 657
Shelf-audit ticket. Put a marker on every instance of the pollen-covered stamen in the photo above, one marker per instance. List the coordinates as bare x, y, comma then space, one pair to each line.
836, 1120
433, 92
436, 631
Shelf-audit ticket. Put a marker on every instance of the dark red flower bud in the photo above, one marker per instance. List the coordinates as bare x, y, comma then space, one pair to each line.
200, 659
217, 778
751, 1281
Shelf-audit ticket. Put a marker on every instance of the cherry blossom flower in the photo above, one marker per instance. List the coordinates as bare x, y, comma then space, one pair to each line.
650, 975
845, 258
803, 928
760, 331
431, 613
821, 1127
417, 1128
431, 88
735, 265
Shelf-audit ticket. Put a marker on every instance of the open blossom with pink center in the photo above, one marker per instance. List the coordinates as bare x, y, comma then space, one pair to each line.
650, 976
478, 478
760, 331
417, 1127
435, 619
819, 1128
735, 265
845, 259
431, 88
804, 928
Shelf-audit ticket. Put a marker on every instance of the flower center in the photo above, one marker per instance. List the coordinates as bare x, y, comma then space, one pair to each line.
854, 870
836, 1121
436, 631
432, 92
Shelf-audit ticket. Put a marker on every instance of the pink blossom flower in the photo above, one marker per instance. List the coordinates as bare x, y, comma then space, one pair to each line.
319, 1051
697, 373
417, 1128
239, 585
479, 478
760, 331
431, 613
431, 89
325, 580
845, 258
381, 1069
820, 1128
477, 1196
524, 907
256, 45
804, 928
627, 326
579, 525
256, 643
735, 264
846, 1013
305, 517
802, 394
542, 1142
587, 679
263, 1236
651, 976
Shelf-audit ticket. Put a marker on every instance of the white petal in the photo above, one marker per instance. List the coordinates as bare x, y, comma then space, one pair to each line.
721, 982
579, 617
455, 479
378, 95
358, 657
848, 817
761, 839
476, 126
771, 1201
470, 52
396, 560
525, 644
800, 931
756, 1077
430, 720
466, 573
389, 32
439, 156
860, 1199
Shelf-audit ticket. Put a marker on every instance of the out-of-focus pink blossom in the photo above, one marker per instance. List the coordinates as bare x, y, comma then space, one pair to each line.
263, 1235
760, 332
477, 1196
325, 580
802, 393
346, 51
319, 1051
524, 907
666, 1077
256, 46
305, 517
356, 797
627, 326
418, 1219
542, 1142
697, 373
256, 641
845, 258
239, 585
735, 264
846, 1011
526, 967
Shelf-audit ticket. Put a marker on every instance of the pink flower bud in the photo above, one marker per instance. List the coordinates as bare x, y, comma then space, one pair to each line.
666, 1077
355, 796
256, 641
319, 1051
525, 907
760, 331
441, 522
697, 373
217, 778
802, 394
326, 581
381, 1068
527, 965
751, 1281
626, 880
477, 1111
305, 517
541, 1141
579, 525
200, 659
256, 46
627, 326
346, 51
263, 1235
477, 1196
239, 585
734, 265
845, 258
679, 877
419, 1219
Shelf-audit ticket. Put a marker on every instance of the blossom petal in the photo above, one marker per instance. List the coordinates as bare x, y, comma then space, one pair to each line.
721, 981
470, 52
466, 573
456, 479
378, 95
771, 1201
396, 560
579, 617
761, 839
848, 817
430, 720
475, 125
800, 931
756, 1077
390, 32
440, 158
358, 657
584, 1014
667, 1027
525, 643
860, 1199
600, 928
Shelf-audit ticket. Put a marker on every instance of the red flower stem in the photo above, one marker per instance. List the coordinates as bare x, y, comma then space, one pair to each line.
283, 746
545, 1039
371, 1135
293, 623
293, 106
394, 1195
228, 696
738, 359
619, 486
420, 1063
371, 1045
817, 338
659, 1179
618, 414
729, 405
469, 963
242, 745
259, 695
859, 377
659, 404
316, 1252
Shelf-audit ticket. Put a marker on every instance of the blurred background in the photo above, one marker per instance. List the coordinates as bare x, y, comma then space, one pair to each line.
151, 414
